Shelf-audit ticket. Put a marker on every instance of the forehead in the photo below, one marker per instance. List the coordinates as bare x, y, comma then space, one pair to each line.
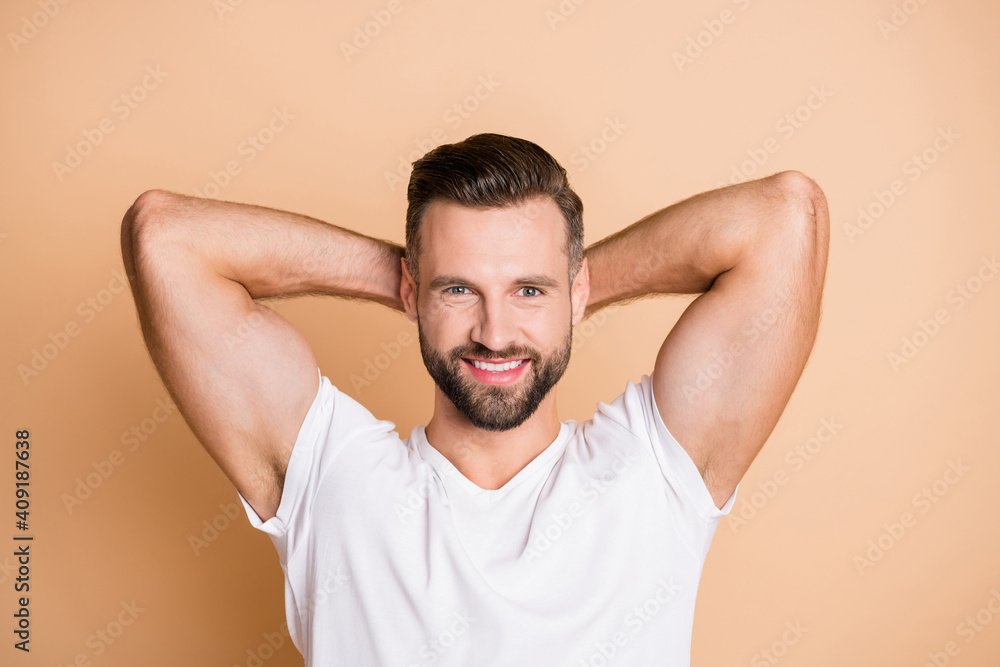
530, 237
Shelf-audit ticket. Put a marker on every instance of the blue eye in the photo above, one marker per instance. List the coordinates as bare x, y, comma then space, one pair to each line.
448, 290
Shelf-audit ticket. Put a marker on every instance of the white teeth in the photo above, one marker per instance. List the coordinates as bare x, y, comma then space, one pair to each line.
496, 368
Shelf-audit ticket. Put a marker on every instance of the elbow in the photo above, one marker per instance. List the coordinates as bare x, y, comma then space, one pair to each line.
801, 192
805, 203
147, 210
146, 217
807, 231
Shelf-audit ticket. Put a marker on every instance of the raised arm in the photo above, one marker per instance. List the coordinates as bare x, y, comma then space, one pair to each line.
242, 375
725, 372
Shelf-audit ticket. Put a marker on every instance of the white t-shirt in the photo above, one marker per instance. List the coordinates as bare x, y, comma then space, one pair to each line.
591, 555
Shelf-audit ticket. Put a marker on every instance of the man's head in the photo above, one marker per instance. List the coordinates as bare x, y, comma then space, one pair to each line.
490, 171
494, 274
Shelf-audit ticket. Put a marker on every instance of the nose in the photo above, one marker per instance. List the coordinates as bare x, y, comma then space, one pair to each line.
496, 325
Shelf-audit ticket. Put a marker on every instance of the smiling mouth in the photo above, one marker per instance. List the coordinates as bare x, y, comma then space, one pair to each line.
495, 367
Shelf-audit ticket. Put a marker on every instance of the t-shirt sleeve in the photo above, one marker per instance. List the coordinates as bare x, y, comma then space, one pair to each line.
333, 422
636, 410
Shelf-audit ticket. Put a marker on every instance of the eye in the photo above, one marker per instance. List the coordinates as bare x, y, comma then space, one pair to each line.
530, 291
457, 290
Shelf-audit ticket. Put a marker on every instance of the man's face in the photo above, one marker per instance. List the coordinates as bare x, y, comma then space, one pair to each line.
494, 310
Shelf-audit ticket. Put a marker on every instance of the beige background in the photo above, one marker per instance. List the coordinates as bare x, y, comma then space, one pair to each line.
681, 129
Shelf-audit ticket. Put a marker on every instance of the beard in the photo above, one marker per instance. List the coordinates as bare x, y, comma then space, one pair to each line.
495, 407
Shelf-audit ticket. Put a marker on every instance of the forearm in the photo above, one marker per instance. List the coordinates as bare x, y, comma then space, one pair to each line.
269, 252
685, 247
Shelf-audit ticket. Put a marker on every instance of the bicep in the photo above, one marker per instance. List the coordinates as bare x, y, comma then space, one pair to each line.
728, 367
242, 375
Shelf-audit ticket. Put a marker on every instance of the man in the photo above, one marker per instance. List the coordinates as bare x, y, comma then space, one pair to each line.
497, 534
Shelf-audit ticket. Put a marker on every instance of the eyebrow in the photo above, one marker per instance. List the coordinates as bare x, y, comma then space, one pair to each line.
535, 281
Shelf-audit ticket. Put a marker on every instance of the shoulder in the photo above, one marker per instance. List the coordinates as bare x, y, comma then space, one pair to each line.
633, 409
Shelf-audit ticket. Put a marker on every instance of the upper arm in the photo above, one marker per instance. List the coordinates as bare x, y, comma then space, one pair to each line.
242, 375
728, 367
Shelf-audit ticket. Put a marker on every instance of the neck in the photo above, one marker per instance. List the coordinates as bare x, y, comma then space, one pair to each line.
490, 459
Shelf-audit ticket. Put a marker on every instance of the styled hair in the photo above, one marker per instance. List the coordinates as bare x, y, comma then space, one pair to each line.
491, 171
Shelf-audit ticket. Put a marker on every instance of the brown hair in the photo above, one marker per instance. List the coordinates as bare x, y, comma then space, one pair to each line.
491, 171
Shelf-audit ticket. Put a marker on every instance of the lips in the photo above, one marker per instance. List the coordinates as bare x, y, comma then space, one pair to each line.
496, 366
497, 372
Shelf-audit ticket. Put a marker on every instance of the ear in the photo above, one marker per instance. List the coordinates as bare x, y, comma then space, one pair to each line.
580, 292
408, 292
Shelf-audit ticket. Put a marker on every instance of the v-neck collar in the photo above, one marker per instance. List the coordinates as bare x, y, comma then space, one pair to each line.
448, 471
